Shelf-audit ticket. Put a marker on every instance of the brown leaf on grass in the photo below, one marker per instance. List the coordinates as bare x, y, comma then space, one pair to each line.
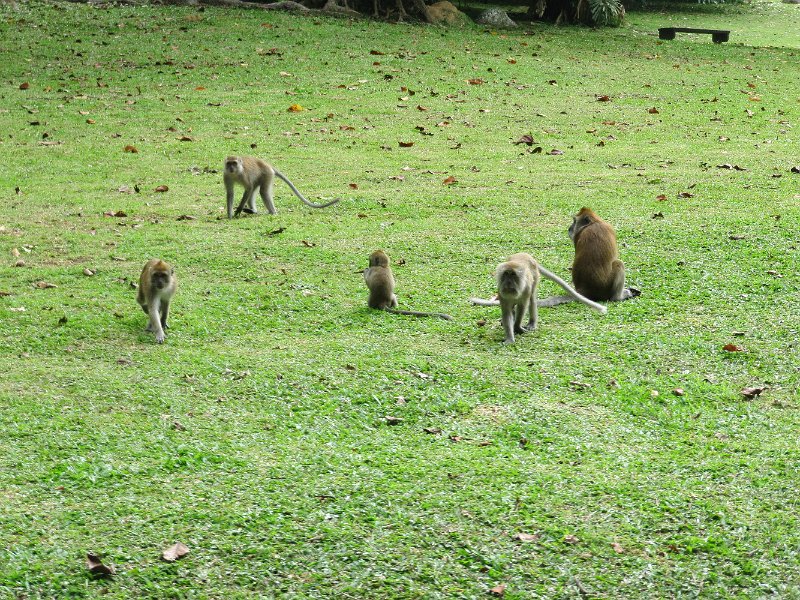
353, 186
185, 138
432, 430
90, 121
603, 98
15, 252
617, 547
405, 144
376, 53
678, 392
795, 170
527, 537
186, 218
658, 215
96, 566
44, 285
131, 149
393, 420
731, 167
24, 85
736, 237
732, 348
421, 108
752, 392
174, 552
476, 81
124, 189
555, 152
653, 111
685, 195
661, 197
498, 590
295, 108
480, 322
526, 139
450, 180
62, 321
178, 426
88, 272
277, 231
307, 244
161, 189
111, 213
571, 539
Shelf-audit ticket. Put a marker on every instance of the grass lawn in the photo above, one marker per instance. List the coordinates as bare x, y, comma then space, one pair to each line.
601, 456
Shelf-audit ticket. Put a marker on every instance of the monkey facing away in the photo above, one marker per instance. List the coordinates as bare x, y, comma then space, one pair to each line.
597, 272
517, 280
252, 173
157, 285
380, 281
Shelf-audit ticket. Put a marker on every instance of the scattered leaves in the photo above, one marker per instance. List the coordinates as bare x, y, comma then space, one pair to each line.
603, 98
186, 218
732, 348
526, 139
617, 547
295, 108
161, 189
450, 180
498, 590
685, 195
24, 85
555, 152
111, 213
678, 392
44, 285
353, 186
571, 539
406, 144
527, 537
131, 149
653, 111
432, 430
476, 81
393, 420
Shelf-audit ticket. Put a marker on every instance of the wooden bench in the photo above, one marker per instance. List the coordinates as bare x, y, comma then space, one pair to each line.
717, 35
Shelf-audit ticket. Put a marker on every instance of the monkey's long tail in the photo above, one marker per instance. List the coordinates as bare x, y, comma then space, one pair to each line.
414, 313
299, 195
482, 302
553, 277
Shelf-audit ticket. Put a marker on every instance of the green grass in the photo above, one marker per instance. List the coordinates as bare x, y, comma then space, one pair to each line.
282, 475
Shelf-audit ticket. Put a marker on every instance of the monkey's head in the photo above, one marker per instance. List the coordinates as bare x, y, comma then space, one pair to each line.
509, 279
233, 164
161, 275
584, 218
378, 259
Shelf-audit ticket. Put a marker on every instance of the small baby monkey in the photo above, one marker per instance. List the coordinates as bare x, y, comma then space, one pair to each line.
517, 280
253, 173
380, 281
157, 285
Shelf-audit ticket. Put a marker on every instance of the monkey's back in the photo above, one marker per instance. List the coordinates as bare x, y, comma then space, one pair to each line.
595, 254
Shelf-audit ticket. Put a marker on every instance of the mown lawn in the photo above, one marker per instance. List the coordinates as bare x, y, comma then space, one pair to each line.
602, 456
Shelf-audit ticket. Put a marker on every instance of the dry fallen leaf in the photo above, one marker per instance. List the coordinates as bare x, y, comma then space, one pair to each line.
678, 391
119, 213
161, 188
617, 548
24, 85
432, 430
555, 152
653, 111
96, 566
752, 392
186, 218
526, 139
476, 81
88, 272
44, 285
131, 149
498, 590
175, 552
353, 186
603, 98
527, 537
295, 108
393, 420
406, 144
571, 539
450, 180
732, 348
307, 244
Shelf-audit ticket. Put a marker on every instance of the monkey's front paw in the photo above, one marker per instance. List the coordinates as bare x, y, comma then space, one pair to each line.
160, 338
508, 342
530, 327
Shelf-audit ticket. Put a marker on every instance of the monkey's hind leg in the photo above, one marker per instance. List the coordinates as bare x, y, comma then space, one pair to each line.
164, 314
267, 196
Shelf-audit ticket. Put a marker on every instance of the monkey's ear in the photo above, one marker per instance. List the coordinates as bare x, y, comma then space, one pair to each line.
583, 222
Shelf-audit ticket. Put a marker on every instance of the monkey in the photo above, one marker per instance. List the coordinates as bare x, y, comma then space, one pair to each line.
380, 281
157, 285
517, 282
597, 272
253, 173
